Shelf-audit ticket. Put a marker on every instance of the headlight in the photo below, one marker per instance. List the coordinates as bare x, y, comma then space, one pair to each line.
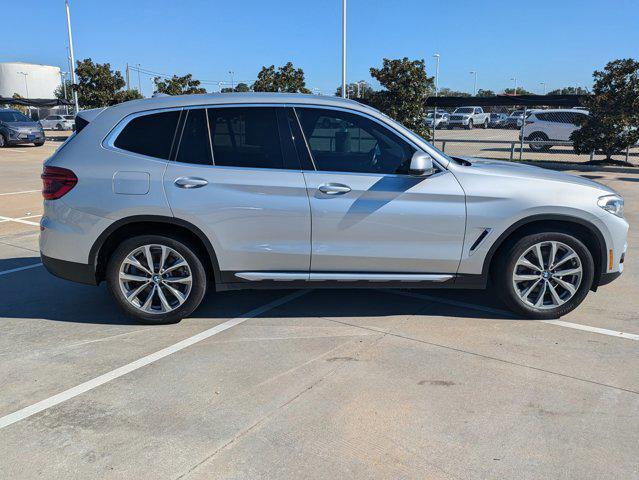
612, 204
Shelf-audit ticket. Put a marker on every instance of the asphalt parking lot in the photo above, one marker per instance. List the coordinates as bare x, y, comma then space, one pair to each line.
320, 384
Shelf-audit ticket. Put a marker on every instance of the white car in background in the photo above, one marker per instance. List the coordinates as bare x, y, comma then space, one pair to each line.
58, 122
551, 125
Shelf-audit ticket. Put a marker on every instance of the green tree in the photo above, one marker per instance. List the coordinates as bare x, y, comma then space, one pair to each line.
569, 91
240, 87
20, 108
59, 91
613, 123
447, 92
406, 88
99, 86
365, 90
176, 85
520, 91
284, 79
485, 93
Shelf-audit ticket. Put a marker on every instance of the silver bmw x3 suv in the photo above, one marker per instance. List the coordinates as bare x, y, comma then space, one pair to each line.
166, 197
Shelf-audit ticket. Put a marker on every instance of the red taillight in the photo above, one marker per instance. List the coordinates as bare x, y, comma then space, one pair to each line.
56, 182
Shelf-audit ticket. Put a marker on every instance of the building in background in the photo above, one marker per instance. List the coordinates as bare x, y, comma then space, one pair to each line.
28, 80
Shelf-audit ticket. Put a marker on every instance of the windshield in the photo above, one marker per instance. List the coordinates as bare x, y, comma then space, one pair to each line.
13, 117
68, 117
465, 110
517, 113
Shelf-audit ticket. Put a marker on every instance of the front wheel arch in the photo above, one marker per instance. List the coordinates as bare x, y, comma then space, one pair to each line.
584, 231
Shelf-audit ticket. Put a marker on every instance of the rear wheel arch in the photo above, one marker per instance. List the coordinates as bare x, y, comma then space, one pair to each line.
127, 228
584, 231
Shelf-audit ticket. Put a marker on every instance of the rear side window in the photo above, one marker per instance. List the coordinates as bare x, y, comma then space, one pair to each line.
246, 137
194, 145
150, 135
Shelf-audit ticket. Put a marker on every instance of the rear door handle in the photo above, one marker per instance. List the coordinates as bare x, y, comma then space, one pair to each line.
190, 182
334, 189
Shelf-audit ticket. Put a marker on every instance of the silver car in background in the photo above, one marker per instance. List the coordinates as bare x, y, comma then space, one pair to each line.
167, 197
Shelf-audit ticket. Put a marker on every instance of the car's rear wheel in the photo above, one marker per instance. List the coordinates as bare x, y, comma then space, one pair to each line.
156, 279
39, 144
538, 137
3, 141
58, 126
544, 275
485, 124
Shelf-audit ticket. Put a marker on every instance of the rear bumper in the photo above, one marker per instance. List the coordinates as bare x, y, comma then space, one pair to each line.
75, 272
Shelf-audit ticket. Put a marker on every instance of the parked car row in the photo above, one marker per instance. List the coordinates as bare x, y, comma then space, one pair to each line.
16, 128
58, 122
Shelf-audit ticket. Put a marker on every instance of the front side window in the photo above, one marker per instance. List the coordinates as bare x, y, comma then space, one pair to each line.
345, 142
246, 137
150, 135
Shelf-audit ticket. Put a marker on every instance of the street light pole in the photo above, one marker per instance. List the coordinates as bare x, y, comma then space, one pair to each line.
231, 73
515, 80
474, 83
75, 93
63, 79
544, 84
436, 55
343, 48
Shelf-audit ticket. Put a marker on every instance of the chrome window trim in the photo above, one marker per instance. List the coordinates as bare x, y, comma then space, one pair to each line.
369, 117
108, 142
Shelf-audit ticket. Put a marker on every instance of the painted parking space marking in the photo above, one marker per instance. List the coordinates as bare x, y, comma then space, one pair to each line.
11, 219
496, 311
19, 193
588, 328
146, 360
19, 220
20, 269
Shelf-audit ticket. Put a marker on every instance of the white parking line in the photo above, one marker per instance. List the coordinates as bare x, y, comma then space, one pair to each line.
481, 308
19, 220
19, 269
135, 365
19, 193
587, 328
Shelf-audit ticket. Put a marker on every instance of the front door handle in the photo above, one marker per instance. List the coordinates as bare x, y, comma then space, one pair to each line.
190, 182
334, 189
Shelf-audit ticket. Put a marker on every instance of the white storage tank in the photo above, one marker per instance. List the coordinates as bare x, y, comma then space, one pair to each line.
40, 81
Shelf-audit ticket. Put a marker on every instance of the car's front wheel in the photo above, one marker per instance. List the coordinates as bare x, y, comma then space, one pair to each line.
156, 279
470, 125
544, 275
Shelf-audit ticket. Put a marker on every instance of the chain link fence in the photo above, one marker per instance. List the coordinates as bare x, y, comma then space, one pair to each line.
516, 133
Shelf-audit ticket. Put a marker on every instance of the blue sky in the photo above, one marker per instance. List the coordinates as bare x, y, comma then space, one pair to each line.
559, 42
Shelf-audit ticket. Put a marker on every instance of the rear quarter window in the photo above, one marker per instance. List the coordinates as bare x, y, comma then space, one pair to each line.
150, 135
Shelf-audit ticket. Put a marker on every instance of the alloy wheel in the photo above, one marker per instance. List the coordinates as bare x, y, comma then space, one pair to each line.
155, 279
547, 275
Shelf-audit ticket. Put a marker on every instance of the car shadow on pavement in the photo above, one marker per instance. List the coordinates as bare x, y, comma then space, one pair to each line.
34, 293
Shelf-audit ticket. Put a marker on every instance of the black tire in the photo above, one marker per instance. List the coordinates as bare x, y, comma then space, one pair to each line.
3, 141
39, 144
470, 124
58, 126
539, 137
505, 269
485, 124
197, 271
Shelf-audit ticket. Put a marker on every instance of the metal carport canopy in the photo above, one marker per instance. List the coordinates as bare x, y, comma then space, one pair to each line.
565, 101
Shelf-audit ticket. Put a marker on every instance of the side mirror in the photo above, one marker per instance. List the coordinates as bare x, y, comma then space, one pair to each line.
421, 164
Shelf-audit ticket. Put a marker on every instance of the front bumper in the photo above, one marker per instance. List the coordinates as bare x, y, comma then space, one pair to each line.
18, 138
